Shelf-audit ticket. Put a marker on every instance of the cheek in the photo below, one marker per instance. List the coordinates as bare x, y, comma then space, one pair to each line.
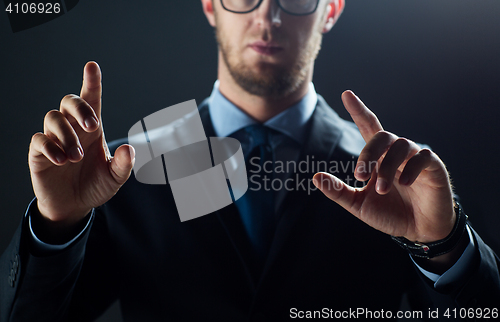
305, 27
302, 41
235, 32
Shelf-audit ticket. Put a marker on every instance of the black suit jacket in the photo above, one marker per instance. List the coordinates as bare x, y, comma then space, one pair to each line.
137, 250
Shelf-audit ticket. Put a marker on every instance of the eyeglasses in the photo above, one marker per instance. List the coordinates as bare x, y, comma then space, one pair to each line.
292, 7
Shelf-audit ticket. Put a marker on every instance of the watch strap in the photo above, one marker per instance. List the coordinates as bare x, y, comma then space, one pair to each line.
440, 247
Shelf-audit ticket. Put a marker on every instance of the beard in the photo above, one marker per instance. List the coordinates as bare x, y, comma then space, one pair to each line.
270, 80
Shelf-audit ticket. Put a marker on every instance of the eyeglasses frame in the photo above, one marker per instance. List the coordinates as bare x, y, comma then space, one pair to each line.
279, 5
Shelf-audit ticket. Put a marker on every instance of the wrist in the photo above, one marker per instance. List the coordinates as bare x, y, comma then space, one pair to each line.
56, 232
441, 263
441, 247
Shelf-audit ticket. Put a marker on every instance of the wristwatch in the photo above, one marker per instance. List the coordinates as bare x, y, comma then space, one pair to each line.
440, 247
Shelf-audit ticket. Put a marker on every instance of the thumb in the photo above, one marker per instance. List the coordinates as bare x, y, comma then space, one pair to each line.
122, 163
336, 190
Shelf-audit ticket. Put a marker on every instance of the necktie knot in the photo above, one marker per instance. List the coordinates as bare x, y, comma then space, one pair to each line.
259, 135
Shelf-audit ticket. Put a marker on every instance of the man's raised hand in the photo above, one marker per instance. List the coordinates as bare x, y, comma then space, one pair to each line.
408, 193
71, 168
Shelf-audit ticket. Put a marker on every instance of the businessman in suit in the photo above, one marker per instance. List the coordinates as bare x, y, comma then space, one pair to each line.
93, 235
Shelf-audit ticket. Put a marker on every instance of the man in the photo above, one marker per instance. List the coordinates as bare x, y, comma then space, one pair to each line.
81, 246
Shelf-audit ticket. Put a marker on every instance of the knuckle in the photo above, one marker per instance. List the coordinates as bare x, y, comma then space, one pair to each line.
386, 136
52, 115
403, 140
69, 101
36, 141
429, 156
70, 97
425, 152
36, 137
380, 134
402, 143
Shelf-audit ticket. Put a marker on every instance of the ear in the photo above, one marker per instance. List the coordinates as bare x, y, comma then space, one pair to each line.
334, 9
208, 10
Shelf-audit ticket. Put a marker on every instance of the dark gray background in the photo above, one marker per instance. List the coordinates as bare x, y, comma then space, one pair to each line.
429, 69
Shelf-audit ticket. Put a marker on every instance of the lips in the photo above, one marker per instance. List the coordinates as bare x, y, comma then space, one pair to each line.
268, 49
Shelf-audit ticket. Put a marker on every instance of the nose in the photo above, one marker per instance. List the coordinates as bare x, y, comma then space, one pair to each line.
268, 14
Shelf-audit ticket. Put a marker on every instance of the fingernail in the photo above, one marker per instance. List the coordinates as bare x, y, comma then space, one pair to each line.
403, 180
76, 153
131, 150
60, 158
358, 174
381, 185
90, 122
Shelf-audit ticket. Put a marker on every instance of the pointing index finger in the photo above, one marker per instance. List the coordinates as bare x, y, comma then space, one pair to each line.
92, 88
367, 122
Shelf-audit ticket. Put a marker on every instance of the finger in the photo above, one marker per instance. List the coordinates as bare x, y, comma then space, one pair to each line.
91, 88
419, 162
337, 191
367, 122
122, 163
75, 107
400, 151
58, 129
371, 153
43, 147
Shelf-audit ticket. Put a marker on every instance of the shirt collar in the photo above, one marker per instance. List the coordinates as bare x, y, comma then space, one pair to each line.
291, 122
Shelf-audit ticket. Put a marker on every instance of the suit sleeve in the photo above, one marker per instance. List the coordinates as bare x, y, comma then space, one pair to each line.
482, 289
479, 288
75, 284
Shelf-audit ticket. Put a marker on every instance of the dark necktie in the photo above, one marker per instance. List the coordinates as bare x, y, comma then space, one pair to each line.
257, 205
